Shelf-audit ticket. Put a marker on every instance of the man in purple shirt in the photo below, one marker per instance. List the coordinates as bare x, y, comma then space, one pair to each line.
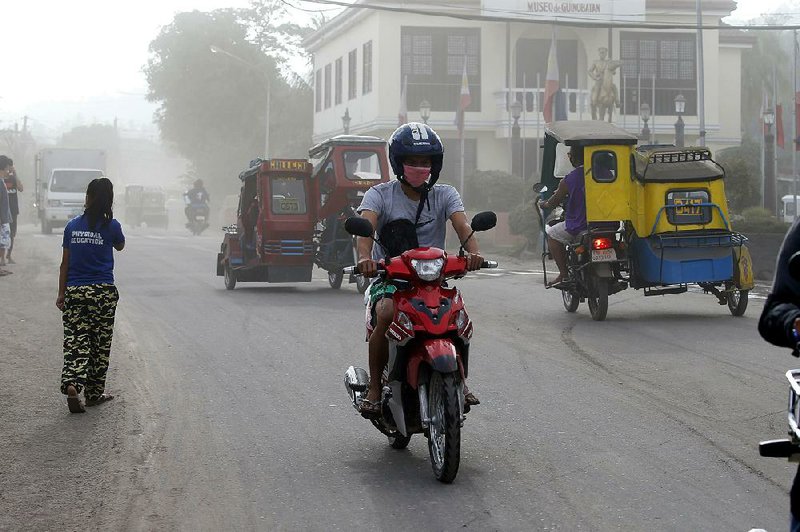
559, 235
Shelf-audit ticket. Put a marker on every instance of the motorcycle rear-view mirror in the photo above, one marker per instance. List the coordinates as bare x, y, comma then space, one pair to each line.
483, 221
794, 266
358, 226
539, 187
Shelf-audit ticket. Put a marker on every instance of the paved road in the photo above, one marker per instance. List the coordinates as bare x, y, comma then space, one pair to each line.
647, 421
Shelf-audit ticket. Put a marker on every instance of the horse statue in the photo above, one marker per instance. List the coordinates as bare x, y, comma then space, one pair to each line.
604, 93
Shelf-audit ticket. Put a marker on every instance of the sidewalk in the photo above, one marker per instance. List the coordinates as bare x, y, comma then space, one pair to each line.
59, 471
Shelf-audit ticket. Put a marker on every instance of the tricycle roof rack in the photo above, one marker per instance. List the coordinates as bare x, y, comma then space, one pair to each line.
671, 164
346, 139
589, 132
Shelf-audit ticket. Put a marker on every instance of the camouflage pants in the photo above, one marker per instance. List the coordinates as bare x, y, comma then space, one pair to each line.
88, 329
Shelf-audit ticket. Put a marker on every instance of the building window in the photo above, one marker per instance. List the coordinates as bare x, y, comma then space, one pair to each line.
352, 91
318, 90
366, 80
667, 57
432, 59
327, 85
337, 95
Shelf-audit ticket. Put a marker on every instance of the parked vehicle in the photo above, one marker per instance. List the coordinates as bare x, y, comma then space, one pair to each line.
669, 209
146, 205
429, 338
789, 204
61, 177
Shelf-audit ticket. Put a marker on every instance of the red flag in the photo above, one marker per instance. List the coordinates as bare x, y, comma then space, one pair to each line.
797, 118
779, 138
402, 114
551, 81
464, 102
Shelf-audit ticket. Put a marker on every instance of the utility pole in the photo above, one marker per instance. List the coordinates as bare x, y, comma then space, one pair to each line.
701, 104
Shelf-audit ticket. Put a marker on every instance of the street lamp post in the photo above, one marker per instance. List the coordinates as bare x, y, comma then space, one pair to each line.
346, 121
770, 195
516, 141
267, 82
680, 108
644, 113
425, 111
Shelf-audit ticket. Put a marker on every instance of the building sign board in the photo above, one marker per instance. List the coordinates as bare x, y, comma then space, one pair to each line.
577, 10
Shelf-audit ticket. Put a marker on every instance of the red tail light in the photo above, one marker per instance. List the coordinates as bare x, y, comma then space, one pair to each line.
601, 243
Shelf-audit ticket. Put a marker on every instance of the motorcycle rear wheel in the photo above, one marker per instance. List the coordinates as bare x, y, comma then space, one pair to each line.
335, 279
737, 301
571, 300
230, 277
598, 302
444, 442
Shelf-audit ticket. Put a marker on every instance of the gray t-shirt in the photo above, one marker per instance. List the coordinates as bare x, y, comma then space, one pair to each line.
390, 203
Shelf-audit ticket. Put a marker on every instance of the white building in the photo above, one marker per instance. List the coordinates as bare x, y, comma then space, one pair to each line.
362, 57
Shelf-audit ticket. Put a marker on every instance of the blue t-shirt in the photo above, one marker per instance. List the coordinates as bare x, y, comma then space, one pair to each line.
91, 253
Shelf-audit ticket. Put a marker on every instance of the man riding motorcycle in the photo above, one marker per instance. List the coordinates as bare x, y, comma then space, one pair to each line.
563, 233
780, 325
196, 201
409, 212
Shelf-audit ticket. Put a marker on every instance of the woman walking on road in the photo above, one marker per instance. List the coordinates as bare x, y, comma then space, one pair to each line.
87, 296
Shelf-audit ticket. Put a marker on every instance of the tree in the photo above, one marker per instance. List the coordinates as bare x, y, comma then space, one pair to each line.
213, 106
742, 175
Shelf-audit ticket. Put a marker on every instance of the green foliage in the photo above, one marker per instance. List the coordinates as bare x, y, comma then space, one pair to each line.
523, 220
759, 220
213, 106
493, 190
742, 175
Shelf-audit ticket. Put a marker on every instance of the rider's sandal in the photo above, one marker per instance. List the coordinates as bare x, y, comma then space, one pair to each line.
369, 409
470, 400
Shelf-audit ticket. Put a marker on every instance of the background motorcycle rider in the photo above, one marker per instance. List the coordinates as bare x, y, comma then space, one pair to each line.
198, 198
780, 325
563, 233
409, 212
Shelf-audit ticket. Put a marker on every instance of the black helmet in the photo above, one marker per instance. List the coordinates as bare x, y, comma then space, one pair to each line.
198, 183
415, 138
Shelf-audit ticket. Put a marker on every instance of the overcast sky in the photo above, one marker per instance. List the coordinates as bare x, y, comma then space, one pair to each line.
73, 50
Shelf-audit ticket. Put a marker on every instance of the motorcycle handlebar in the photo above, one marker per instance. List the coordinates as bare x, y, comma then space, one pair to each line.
351, 270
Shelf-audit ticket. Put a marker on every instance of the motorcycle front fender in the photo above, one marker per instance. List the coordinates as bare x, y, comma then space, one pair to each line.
439, 353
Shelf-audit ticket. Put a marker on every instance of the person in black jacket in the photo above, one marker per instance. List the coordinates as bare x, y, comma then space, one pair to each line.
780, 325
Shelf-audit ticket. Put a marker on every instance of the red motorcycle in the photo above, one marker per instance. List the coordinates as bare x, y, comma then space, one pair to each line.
423, 390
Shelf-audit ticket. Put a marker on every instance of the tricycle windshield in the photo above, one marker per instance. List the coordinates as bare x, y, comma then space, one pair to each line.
288, 195
362, 165
563, 166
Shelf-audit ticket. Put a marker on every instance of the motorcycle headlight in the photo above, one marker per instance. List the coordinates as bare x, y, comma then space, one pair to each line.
428, 270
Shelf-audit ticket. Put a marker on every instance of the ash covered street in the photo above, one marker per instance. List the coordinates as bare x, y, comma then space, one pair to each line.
231, 411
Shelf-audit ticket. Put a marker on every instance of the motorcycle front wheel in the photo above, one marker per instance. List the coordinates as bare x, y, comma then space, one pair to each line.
598, 301
444, 442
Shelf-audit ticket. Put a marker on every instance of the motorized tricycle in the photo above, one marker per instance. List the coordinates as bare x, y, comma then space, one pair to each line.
146, 205
659, 214
345, 167
291, 213
429, 338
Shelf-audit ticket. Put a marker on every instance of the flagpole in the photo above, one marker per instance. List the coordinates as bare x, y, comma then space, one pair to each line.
538, 123
624, 112
794, 112
639, 101
773, 201
653, 112
524, 117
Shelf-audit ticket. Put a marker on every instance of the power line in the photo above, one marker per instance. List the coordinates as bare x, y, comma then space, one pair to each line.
557, 21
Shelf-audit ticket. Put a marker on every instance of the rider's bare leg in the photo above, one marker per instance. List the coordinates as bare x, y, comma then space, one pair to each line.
379, 347
559, 253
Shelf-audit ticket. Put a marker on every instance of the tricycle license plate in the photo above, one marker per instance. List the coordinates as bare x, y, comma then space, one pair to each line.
604, 255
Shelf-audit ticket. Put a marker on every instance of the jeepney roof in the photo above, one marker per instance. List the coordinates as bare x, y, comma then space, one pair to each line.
588, 133
346, 140
669, 164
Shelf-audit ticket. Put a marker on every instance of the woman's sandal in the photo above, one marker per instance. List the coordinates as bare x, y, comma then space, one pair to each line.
370, 409
73, 401
102, 399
